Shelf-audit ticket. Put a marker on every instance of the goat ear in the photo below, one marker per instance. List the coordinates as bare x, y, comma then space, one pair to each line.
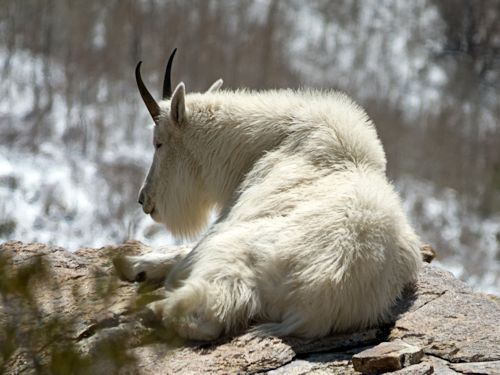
216, 85
177, 104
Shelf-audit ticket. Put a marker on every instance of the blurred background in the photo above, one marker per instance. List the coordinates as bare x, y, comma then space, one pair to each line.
75, 137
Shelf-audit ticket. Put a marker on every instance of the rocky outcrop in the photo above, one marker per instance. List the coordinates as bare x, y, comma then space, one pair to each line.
64, 312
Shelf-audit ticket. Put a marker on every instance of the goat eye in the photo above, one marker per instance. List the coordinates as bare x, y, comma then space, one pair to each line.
158, 145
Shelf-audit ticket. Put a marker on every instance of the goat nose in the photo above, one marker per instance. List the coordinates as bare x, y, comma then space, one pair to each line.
141, 198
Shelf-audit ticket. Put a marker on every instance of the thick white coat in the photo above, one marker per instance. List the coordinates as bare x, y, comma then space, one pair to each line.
311, 237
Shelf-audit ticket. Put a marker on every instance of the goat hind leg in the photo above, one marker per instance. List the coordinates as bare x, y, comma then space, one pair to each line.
204, 310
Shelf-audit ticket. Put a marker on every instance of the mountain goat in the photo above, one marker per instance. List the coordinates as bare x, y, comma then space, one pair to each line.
310, 236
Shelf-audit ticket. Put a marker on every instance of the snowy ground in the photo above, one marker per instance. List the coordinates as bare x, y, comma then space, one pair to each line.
466, 244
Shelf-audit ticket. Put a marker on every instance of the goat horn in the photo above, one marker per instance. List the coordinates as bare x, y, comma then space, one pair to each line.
167, 85
151, 104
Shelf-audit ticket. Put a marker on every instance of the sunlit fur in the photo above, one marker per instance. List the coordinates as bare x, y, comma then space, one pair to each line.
311, 237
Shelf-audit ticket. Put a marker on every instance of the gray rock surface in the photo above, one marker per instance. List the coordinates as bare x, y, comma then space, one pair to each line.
387, 356
456, 328
488, 368
418, 369
449, 320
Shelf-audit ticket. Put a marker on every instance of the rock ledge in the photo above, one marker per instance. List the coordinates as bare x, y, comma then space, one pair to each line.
442, 326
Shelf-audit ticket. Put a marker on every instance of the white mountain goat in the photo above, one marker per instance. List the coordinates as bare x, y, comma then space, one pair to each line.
310, 237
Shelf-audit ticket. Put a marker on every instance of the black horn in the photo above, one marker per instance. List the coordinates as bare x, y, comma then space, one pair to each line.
151, 104
167, 85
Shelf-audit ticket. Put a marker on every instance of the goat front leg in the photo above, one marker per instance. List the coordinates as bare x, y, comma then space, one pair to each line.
153, 266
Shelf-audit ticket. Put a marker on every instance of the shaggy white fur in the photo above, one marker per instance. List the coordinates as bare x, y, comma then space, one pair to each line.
310, 238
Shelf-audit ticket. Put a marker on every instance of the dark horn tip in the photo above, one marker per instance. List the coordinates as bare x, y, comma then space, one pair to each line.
167, 85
